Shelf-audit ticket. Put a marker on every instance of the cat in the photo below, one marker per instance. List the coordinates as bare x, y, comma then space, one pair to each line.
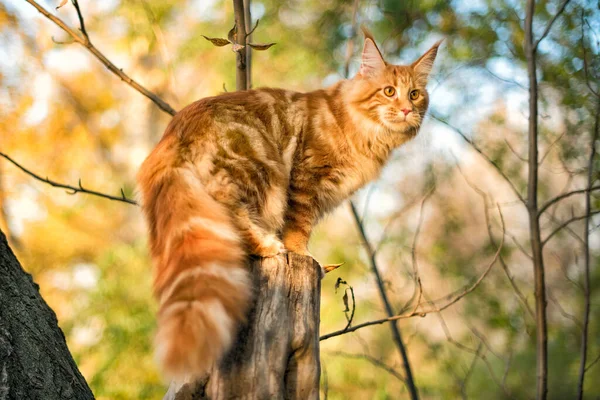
251, 172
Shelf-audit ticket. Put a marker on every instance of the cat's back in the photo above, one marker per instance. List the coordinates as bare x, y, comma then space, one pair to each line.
264, 112
231, 106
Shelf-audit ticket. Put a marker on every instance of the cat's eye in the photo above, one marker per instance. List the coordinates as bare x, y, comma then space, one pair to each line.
414, 94
389, 91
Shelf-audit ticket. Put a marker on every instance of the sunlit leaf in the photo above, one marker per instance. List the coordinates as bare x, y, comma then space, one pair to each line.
260, 46
232, 34
219, 42
62, 3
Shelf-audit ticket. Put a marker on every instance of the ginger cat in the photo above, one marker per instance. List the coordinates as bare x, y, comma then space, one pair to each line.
251, 172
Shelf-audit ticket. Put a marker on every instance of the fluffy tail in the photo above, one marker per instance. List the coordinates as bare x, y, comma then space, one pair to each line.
200, 281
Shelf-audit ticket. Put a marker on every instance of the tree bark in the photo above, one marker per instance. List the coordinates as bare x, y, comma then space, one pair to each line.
532, 209
241, 75
276, 355
35, 362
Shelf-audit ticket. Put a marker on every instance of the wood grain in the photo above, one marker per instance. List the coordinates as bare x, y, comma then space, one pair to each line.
276, 355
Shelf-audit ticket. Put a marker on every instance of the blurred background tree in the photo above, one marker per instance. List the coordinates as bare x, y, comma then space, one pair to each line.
63, 116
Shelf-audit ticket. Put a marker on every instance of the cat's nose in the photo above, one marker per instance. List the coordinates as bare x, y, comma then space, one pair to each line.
406, 111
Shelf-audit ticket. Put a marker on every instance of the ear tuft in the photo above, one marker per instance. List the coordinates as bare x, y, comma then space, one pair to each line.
372, 61
424, 64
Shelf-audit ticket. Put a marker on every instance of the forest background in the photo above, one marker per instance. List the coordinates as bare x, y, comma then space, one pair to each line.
436, 218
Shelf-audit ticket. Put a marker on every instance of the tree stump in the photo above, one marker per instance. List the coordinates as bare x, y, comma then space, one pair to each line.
276, 355
35, 362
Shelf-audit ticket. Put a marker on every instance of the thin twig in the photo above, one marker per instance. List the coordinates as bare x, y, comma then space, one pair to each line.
374, 361
162, 43
520, 157
562, 311
484, 197
585, 64
549, 26
549, 149
591, 364
325, 382
396, 334
85, 42
71, 189
587, 289
81, 21
565, 195
567, 222
481, 153
476, 353
463, 386
347, 310
418, 287
565, 272
529, 47
422, 313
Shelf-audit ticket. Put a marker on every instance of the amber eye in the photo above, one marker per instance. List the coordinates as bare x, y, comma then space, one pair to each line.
414, 94
389, 91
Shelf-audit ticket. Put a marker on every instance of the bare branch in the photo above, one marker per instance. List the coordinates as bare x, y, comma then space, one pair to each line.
396, 334
539, 273
587, 288
253, 29
374, 361
164, 49
81, 21
422, 313
562, 311
485, 156
70, 189
325, 382
241, 76
477, 353
549, 149
590, 365
347, 310
463, 386
350, 45
585, 64
520, 157
418, 287
568, 229
85, 42
565, 272
511, 82
519, 246
549, 26
484, 197
397, 214
567, 222
565, 195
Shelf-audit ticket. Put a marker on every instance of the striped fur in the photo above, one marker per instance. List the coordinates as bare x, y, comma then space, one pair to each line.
251, 173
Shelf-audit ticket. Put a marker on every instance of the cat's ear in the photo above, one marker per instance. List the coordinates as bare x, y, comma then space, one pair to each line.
423, 65
372, 61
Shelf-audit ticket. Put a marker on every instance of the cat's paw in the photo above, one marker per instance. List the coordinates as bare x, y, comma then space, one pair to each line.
270, 247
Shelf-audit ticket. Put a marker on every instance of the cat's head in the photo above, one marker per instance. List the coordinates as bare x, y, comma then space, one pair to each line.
391, 96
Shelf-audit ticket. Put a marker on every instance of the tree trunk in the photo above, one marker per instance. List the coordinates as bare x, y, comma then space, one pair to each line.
276, 355
35, 362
